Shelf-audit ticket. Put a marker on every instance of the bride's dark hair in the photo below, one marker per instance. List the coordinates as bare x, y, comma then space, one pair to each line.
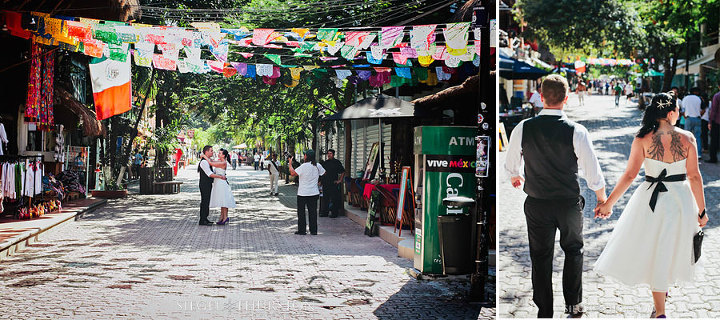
226, 154
659, 107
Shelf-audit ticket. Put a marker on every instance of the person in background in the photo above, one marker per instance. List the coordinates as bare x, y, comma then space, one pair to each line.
274, 170
618, 92
692, 104
308, 192
3, 137
628, 92
704, 121
331, 182
256, 160
535, 100
234, 159
714, 125
580, 90
137, 162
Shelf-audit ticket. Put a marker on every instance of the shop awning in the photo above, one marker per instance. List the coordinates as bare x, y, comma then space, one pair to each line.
92, 127
377, 107
653, 73
513, 69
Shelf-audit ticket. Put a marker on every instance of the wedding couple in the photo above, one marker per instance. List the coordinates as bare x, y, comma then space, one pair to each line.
652, 243
215, 190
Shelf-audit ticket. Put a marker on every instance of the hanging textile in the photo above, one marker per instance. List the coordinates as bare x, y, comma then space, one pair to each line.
32, 103
47, 116
111, 85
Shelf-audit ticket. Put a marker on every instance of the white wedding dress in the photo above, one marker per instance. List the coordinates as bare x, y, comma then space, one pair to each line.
221, 195
654, 247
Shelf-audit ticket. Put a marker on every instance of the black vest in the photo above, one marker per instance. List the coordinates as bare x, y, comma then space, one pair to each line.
205, 181
551, 168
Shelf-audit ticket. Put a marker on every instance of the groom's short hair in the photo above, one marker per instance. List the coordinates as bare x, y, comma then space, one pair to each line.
554, 89
206, 148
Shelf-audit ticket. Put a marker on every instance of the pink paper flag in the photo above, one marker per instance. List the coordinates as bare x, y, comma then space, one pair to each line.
246, 55
262, 37
391, 36
160, 62
216, 66
399, 58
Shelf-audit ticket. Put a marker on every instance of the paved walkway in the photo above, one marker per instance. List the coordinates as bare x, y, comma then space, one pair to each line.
146, 257
612, 130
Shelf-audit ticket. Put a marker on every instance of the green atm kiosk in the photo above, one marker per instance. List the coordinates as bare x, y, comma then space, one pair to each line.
444, 167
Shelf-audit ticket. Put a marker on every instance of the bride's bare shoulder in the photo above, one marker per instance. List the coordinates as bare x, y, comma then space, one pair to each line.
684, 135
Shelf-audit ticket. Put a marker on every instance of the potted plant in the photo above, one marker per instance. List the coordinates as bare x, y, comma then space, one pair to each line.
112, 191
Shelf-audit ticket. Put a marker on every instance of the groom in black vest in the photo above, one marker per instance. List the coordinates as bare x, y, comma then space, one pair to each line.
555, 151
206, 182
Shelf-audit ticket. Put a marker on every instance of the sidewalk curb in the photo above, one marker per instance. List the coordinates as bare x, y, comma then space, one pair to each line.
22, 240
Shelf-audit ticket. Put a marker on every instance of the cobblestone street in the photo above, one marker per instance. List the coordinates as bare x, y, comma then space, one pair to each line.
612, 131
146, 257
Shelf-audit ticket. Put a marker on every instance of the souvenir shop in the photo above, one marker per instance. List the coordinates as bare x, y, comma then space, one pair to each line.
39, 168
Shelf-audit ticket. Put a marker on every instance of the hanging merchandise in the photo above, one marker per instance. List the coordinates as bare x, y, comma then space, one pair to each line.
46, 118
32, 103
111, 87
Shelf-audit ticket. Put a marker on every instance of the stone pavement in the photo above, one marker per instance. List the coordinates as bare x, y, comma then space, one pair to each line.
146, 257
612, 130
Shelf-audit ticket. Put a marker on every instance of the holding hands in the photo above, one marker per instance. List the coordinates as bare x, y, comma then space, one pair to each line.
603, 209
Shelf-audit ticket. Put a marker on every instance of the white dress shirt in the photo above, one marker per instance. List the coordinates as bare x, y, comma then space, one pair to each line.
691, 104
588, 165
205, 167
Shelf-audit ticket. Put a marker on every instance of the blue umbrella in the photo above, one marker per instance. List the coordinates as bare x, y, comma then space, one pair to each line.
513, 69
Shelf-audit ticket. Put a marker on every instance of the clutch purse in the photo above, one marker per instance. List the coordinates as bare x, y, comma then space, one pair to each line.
697, 244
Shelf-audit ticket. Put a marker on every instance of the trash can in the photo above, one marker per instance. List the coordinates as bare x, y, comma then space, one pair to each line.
455, 233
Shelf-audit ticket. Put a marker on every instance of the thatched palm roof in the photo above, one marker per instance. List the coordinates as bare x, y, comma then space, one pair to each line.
115, 10
91, 126
450, 95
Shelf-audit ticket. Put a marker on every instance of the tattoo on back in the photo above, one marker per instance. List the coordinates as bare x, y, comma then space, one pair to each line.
676, 147
657, 150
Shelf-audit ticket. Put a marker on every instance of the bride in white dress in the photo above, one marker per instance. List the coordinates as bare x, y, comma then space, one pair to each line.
652, 243
221, 195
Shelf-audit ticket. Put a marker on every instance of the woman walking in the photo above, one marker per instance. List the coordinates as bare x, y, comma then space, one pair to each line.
652, 242
221, 195
308, 193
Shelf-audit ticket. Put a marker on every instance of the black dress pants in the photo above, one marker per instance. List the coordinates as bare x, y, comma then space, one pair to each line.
311, 203
205, 202
544, 218
714, 141
332, 199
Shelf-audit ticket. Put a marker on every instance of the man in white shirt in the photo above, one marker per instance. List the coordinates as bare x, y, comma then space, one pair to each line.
256, 159
234, 159
308, 192
556, 151
274, 170
692, 104
536, 101
206, 181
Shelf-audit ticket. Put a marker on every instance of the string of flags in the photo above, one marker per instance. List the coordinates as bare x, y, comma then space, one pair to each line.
393, 55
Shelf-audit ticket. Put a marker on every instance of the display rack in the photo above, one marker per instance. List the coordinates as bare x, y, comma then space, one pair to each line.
76, 159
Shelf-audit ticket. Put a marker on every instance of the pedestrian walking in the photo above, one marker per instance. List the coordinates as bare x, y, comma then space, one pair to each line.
628, 92
274, 170
256, 161
331, 181
618, 92
554, 200
652, 242
234, 158
692, 104
308, 192
137, 162
580, 90
714, 125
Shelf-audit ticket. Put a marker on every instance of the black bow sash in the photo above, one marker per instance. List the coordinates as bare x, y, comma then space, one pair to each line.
660, 186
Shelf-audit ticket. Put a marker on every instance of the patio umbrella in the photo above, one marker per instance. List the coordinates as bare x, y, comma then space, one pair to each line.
513, 69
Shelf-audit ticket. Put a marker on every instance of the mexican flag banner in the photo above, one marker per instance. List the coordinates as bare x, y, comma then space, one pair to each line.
111, 86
